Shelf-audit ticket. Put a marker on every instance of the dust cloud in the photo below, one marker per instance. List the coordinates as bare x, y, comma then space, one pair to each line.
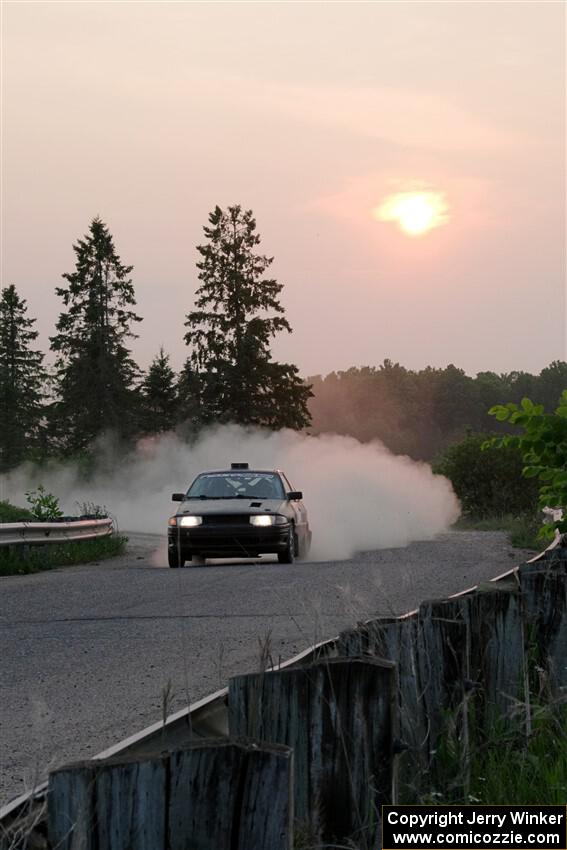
359, 496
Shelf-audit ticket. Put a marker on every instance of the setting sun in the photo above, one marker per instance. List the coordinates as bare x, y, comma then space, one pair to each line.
415, 212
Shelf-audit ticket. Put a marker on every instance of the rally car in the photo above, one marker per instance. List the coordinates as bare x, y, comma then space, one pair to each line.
238, 513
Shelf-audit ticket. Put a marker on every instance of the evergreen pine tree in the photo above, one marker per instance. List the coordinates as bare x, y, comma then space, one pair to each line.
159, 393
188, 407
95, 372
22, 382
238, 313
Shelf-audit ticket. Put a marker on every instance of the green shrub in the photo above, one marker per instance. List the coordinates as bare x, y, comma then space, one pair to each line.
13, 513
543, 448
524, 532
44, 505
17, 561
488, 483
92, 510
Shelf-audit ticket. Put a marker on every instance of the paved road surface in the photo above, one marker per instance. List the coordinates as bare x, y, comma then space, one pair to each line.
87, 651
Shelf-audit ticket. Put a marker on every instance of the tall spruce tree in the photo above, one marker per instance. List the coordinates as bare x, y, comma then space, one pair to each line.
95, 372
159, 393
238, 313
22, 382
188, 393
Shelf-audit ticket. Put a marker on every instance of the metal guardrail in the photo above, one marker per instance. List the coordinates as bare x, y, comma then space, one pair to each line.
41, 533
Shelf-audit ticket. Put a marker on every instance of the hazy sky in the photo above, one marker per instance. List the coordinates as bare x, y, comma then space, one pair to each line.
311, 114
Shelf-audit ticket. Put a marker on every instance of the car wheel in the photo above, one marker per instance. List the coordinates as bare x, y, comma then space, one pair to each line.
288, 555
174, 560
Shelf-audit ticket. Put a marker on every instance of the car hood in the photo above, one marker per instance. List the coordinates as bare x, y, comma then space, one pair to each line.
206, 507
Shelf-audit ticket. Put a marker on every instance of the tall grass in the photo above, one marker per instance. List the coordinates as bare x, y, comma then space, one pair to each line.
522, 530
13, 513
14, 562
509, 768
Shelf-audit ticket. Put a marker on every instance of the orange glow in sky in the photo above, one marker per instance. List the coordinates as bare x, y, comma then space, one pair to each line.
416, 213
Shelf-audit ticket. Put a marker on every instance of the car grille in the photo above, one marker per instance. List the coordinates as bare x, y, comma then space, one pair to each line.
226, 519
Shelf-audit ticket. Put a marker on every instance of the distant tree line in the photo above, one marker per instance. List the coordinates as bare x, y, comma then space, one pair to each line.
96, 388
421, 413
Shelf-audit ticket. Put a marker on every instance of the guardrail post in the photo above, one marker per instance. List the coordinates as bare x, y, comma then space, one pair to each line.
496, 651
221, 794
543, 585
395, 639
429, 652
442, 669
339, 716
455, 654
108, 806
231, 795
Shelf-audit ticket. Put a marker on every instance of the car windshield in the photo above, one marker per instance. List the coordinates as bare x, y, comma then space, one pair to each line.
237, 485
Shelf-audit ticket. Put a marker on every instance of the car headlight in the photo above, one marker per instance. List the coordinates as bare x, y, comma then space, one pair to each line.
190, 521
185, 521
264, 520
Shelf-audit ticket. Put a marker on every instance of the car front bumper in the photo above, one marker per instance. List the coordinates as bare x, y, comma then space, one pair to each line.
226, 541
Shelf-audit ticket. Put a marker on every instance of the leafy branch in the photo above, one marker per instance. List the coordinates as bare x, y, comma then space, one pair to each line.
543, 444
44, 506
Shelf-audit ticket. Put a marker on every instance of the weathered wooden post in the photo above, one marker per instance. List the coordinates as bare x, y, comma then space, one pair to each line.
496, 661
457, 652
230, 795
442, 668
441, 663
339, 716
429, 650
481, 678
131, 804
396, 639
543, 585
474, 643
472, 670
71, 807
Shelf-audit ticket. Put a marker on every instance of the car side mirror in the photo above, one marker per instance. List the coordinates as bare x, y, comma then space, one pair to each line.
177, 497
295, 496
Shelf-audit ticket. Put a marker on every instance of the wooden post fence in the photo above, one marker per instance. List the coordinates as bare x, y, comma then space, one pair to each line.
544, 591
340, 717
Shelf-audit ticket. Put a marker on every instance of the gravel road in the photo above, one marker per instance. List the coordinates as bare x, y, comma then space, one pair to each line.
87, 651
